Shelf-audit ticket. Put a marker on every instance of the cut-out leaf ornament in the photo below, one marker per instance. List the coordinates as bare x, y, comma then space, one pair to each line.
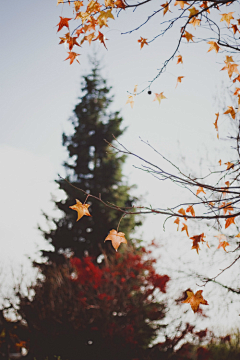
116, 238
82, 209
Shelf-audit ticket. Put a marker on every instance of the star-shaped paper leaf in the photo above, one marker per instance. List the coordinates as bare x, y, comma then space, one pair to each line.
195, 299
116, 238
229, 221
159, 97
82, 209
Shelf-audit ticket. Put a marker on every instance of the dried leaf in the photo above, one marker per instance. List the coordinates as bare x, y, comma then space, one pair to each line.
130, 100
159, 97
82, 209
116, 238
142, 41
185, 228
199, 190
213, 46
188, 36
227, 17
179, 79
179, 60
195, 300
191, 210
229, 221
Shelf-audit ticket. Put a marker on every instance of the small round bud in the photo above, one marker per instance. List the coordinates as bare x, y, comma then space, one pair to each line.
149, 92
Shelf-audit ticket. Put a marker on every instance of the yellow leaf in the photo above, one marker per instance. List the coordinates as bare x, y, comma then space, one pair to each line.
229, 165
166, 8
195, 22
130, 100
116, 238
159, 97
227, 17
193, 11
82, 209
188, 36
213, 46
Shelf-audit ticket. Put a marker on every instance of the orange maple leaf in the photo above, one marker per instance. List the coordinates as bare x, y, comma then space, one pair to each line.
101, 38
191, 210
72, 56
116, 238
120, 4
179, 60
195, 300
199, 190
82, 209
182, 211
226, 207
235, 28
223, 244
229, 221
237, 79
213, 46
195, 22
159, 97
220, 162
93, 7
231, 68
104, 16
236, 91
231, 112
72, 41
177, 221
188, 36
63, 22
179, 80
181, 3
229, 165
142, 41
130, 100
227, 17
185, 228
166, 8
192, 11
205, 6
196, 240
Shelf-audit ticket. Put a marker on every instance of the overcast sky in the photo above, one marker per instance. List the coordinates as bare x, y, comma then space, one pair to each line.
39, 91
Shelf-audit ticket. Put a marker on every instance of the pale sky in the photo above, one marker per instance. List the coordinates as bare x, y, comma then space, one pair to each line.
39, 91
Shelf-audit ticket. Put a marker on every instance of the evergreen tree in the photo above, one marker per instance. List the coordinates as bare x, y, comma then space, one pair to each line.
94, 167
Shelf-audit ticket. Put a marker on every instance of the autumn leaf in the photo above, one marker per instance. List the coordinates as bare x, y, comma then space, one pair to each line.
199, 190
179, 80
195, 22
182, 212
181, 3
237, 79
229, 221
231, 68
59, 2
116, 238
229, 165
120, 4
72, 56
196, 240
191, 210
213, 46
130, 100
93, 7
234, 28
227, 17
195, 300
72, 41
192, 11
216, 124
236, 91
101, 38
223, 244
77, 5
177, 221
185, 228
142, 41
166, 8
159, 97
109, 3
179, 60
104, 16
63, 22
205, 6
220, 162
89, 37
135, 90
226, 207
82, 209
231, 112
188, 36
238, 235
